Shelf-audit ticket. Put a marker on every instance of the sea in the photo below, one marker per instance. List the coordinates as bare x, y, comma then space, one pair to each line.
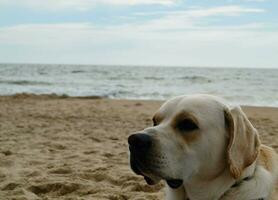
244, 86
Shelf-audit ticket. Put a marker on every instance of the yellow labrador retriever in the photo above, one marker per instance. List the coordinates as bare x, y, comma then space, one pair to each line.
204, 150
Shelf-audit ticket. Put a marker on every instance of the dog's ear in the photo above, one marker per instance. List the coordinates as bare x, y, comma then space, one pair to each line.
243, 145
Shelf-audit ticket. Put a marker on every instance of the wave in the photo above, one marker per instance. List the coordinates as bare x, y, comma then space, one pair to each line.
24, 95
77, 71
153, 78
141, 83
23, 82
196, 79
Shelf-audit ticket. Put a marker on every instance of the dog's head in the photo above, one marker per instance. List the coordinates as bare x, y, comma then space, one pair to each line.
193, 136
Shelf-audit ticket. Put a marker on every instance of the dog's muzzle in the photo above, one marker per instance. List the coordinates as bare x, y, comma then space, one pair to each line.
140, 145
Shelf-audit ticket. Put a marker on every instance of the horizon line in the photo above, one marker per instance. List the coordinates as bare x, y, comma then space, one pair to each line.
137, 65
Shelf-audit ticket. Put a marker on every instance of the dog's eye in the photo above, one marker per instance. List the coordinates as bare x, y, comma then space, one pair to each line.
187, 125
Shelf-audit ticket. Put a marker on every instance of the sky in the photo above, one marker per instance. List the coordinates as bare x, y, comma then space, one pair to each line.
210, 33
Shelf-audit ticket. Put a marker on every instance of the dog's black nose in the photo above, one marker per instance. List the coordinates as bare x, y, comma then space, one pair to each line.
140, 141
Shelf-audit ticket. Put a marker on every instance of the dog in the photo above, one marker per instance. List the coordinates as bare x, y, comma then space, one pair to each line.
204, 150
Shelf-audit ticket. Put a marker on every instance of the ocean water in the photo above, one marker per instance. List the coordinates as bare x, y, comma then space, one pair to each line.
239, 86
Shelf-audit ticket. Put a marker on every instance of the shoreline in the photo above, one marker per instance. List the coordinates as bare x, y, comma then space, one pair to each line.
93, 97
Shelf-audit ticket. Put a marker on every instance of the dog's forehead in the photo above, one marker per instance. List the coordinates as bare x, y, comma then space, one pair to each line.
194, 104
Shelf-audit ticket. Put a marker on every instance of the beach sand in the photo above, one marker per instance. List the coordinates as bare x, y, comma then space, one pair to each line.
76, 148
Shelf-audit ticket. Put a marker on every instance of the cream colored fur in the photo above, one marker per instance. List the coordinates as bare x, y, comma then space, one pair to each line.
225, 149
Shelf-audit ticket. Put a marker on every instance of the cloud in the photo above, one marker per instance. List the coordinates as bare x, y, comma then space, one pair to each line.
231, 10
55, 5
255, 0
184, 37
86, 43
192, 18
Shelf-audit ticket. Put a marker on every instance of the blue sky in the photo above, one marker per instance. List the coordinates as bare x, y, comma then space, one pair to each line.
222, 33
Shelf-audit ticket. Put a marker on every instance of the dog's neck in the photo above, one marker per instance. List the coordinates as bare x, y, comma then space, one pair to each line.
198, 188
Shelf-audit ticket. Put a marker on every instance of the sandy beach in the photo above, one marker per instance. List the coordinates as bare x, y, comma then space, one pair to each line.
76, 148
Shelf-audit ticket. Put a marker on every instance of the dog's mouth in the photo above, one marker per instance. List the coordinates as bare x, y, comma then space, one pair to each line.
173, 183
138, 168
149, 177
149, 180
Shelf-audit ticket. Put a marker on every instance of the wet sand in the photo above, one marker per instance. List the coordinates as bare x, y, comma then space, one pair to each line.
76, 148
